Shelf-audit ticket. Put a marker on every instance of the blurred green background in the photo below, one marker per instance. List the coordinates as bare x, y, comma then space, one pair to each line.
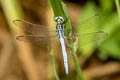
24, 61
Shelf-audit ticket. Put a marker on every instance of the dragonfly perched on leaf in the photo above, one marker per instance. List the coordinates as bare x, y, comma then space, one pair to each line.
37, 33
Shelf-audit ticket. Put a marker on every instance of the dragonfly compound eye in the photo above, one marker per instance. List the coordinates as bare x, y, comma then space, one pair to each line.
59, 18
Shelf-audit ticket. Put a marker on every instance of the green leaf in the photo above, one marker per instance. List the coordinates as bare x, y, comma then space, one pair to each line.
90, 25
111, 46
107, 5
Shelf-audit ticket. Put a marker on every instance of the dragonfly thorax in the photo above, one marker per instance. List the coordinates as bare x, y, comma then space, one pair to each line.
60, 30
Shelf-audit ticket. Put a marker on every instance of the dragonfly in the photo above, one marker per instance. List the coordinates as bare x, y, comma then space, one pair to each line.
37, 33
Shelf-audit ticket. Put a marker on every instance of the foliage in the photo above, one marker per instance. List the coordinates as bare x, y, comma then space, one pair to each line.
110, 24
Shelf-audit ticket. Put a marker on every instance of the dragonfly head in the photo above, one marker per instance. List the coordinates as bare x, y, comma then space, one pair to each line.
59, 19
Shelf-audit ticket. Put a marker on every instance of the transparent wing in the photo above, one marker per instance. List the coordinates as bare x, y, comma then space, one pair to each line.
33, 29
87, 31
90, 37
87, 24
36, 34
37, 40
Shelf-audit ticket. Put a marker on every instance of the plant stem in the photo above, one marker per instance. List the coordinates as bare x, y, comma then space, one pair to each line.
118, 8
75, 59
12, 11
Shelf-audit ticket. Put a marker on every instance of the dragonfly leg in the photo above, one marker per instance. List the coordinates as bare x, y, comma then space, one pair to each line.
66, 19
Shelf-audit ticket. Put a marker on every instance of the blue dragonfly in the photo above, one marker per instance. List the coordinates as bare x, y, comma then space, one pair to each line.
37, 33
